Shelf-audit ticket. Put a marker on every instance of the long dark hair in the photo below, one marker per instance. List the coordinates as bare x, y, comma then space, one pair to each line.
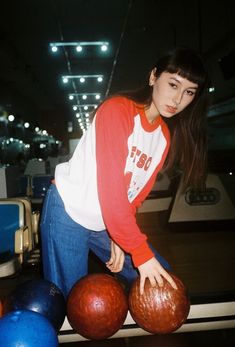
188, 150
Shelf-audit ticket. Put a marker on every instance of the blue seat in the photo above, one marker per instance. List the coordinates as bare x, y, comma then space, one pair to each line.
14, 236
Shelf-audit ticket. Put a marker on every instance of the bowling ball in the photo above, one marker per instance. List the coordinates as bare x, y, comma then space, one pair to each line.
159, 310
26, 329
97, 306
40, 296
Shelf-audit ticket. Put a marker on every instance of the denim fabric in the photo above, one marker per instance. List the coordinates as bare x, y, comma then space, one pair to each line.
66, 245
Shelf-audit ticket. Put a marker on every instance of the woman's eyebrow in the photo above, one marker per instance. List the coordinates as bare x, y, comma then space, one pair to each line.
175, 79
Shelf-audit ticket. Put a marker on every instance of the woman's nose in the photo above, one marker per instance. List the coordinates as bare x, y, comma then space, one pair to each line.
177, 99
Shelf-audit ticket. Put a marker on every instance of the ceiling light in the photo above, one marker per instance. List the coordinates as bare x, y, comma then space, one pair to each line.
71, 97
79, 48
65, 79
82, 78
79, 45
26, 125
11, 118
104, 48
54, 49
84, 96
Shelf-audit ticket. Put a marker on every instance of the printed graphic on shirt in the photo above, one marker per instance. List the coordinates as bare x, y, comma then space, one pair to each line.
145, 150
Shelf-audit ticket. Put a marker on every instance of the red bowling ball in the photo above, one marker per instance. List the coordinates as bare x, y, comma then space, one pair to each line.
159, 310
97, 306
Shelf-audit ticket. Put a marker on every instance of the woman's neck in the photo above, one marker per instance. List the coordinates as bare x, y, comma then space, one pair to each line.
151, 113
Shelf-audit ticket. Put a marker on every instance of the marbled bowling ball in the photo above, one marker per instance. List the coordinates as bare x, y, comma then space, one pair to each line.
159, 310
97, 306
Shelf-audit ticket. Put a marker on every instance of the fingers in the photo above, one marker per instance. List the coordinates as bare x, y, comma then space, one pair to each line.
115, 264
156, 274
116, 261
170, 280
142, 282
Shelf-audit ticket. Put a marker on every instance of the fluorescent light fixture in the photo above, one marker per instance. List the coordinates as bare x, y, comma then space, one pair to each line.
84, 105
82, 78
85, 95
79, 45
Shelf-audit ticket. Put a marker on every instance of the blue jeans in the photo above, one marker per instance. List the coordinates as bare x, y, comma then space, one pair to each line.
66, 245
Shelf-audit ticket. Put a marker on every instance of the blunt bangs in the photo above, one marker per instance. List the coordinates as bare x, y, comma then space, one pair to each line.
186, 63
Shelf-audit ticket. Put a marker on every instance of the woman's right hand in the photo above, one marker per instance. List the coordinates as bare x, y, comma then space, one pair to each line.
154, 271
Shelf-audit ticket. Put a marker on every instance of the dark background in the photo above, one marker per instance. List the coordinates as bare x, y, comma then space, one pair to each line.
137, 32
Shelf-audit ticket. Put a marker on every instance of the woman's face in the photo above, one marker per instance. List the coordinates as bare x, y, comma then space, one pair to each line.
171, 93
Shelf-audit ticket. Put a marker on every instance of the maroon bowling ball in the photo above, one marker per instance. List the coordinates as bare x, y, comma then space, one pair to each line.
159, 310
97, 306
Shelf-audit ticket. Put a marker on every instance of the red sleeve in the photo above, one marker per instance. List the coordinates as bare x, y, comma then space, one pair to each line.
114, 123
146, 190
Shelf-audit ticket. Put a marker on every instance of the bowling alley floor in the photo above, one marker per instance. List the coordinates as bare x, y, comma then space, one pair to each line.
202, 255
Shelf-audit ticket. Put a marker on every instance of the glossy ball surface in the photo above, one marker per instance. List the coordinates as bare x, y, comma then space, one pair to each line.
159, 310
40, 296
26, 329
97, 306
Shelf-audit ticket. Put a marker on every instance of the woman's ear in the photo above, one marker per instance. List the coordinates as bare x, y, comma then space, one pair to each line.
152, 77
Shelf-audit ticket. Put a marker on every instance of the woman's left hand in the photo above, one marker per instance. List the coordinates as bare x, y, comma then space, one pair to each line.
116, 261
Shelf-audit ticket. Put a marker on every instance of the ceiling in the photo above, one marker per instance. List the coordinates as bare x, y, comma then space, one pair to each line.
137, 32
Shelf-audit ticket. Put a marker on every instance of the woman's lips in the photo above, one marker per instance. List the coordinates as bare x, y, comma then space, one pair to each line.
171, 109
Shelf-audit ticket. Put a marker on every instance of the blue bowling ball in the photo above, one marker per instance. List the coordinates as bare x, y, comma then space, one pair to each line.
40, 296
26, 329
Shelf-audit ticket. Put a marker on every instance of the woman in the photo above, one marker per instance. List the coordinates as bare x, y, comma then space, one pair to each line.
93, 202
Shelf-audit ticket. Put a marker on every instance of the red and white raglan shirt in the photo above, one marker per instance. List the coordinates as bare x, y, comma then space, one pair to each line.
112, 171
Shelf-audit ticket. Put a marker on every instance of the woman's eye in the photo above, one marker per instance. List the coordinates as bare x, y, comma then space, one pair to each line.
190, 93
173, 85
